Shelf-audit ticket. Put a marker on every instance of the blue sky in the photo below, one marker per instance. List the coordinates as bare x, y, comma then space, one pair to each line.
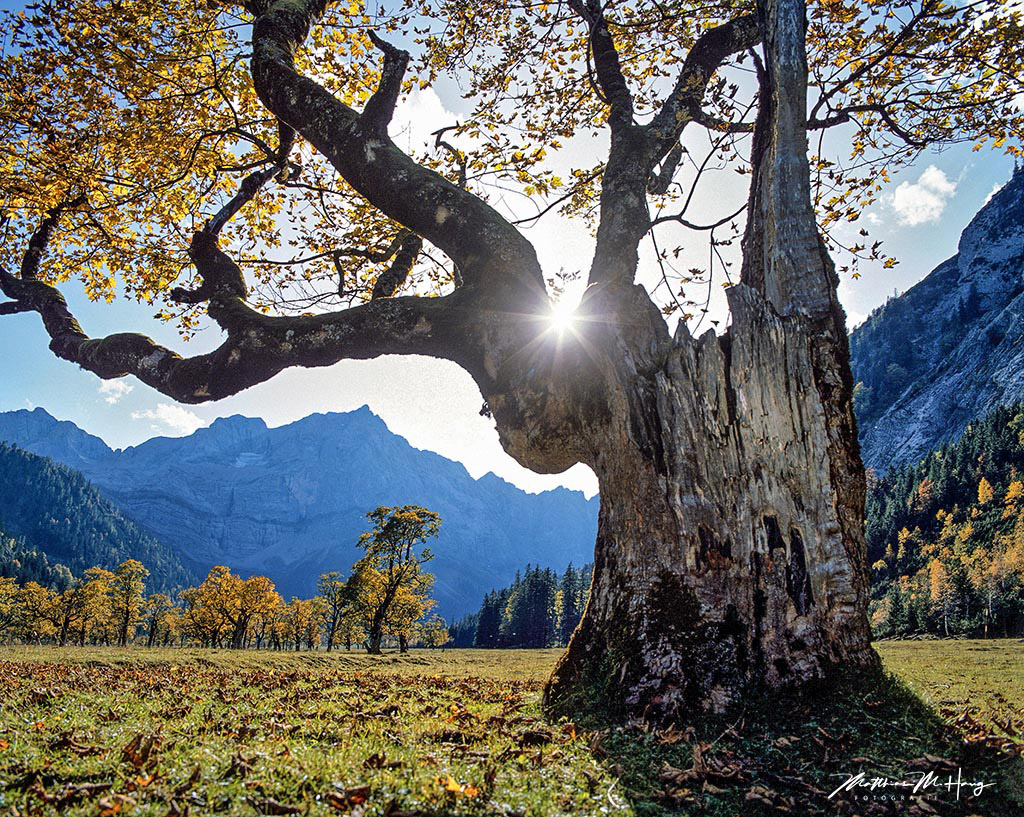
433, 403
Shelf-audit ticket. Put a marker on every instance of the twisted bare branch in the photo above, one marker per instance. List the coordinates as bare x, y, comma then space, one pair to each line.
709, 53
257, 347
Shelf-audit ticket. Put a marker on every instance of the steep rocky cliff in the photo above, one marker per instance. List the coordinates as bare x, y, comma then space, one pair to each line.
289, 502
949, 349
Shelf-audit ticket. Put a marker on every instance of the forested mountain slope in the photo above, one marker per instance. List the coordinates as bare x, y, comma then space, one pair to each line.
57, 512
25, 563
946, 535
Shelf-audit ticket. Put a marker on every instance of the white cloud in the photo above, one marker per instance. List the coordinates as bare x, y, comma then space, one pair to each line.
854, 319
416, 117
923, 201
114, 391
168, 417
995, 189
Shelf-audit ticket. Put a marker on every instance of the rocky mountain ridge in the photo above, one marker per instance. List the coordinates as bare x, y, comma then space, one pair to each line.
949, 349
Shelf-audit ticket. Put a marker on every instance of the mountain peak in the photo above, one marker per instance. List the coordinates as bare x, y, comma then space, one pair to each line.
239, 422
992, 245
40, 432
361, 420
37, 416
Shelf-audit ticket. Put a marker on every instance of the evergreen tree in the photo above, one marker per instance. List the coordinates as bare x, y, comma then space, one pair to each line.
463, 631
528, 620
489, 621
569, 604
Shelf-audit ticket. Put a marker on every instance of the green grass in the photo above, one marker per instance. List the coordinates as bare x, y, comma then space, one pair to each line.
978, 685
494, 665
165, 732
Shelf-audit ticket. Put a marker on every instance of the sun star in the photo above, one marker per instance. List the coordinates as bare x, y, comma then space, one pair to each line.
562, 318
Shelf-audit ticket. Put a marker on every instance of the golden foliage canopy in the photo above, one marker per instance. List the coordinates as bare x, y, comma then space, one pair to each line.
138, 122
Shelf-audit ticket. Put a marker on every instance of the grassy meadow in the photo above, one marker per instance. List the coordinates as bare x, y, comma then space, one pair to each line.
100, 731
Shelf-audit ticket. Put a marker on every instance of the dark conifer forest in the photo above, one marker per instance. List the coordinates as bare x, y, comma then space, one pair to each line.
59, 517
539, 609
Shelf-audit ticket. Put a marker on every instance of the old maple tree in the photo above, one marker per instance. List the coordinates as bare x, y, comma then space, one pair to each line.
235, 160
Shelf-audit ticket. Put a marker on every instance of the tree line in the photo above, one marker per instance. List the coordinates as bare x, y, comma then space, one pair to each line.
24, 563
945, 541
384, 599
539, 609
946, 536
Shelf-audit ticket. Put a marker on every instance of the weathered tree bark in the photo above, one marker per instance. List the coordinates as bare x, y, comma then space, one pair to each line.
730, 547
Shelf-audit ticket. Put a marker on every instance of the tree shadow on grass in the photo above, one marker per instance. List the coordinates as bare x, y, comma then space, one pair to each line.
788, 755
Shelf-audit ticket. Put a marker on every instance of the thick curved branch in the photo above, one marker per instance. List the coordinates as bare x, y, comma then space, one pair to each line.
489, 251
257, 346
610, 79
492, 326
684, 103
260, 347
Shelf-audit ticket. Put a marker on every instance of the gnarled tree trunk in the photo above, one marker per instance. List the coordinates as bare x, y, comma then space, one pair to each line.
730, 546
